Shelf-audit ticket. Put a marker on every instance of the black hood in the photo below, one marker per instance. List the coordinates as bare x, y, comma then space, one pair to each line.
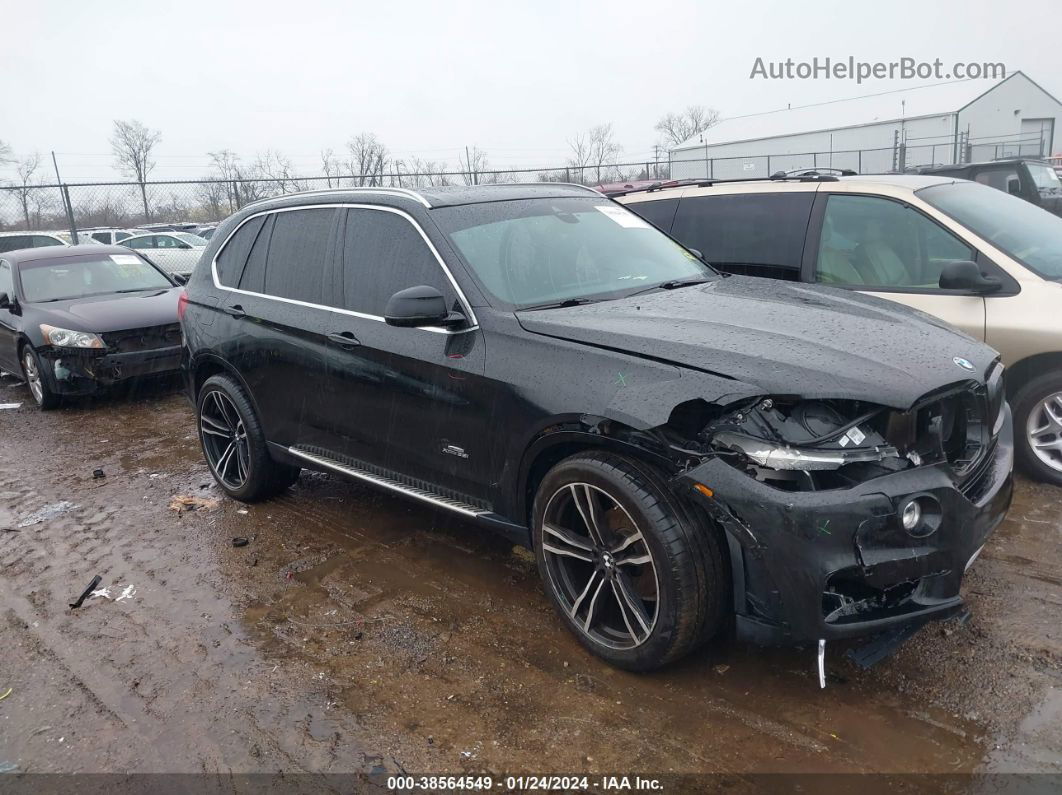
783, 338
112, 312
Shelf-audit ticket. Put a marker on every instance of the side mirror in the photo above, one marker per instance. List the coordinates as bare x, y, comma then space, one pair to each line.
965, 275
184, 246
5, 301
696, 253
419, 306
179, 278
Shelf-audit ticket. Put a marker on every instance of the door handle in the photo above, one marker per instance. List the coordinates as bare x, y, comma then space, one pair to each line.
235, 310
344, 339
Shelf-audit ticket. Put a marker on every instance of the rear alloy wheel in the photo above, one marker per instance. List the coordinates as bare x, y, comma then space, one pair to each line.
234, 445
36, 380
1038, 427
624, 563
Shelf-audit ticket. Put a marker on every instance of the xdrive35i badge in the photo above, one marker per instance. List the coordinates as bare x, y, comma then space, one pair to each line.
965, 364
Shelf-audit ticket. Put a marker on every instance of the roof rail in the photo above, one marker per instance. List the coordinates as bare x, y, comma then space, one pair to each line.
799, 175
406, 192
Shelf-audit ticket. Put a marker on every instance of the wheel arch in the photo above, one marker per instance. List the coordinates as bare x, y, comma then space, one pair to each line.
208, 365
1022, 372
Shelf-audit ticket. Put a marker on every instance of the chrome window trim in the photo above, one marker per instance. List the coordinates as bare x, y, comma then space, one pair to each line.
405, 192
473, 323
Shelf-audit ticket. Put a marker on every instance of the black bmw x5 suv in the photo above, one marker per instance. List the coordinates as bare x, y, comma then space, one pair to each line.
676, 445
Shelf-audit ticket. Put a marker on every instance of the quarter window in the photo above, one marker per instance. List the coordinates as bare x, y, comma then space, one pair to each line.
382, 254
873, 242
234, 255
755, 234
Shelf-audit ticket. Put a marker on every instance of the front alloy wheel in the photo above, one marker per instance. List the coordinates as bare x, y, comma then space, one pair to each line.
633, 570
42, 394
600, 566
1037, 409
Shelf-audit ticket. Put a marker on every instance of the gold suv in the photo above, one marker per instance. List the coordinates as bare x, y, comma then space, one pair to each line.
985, 262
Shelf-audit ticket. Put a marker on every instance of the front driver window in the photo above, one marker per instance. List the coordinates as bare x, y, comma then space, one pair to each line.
872, 242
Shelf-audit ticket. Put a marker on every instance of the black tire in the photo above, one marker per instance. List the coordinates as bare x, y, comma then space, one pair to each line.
1026, 401
37, 379
687, 563
260, 477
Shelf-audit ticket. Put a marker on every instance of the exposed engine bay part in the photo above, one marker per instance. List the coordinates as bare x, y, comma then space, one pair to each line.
809, 445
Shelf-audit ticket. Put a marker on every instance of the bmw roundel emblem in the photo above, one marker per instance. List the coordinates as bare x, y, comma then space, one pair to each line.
965, 364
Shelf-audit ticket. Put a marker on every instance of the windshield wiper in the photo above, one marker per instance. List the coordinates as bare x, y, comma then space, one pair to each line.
561, 304
672, 285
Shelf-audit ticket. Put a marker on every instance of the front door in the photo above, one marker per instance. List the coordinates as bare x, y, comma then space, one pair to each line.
8, 330
410, 402
889, 249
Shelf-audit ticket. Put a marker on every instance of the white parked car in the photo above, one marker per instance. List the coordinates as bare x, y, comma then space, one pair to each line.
9, 241
109, 236
174, 252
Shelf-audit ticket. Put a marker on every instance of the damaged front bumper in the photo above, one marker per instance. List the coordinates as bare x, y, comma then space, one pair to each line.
837, 563
84, 372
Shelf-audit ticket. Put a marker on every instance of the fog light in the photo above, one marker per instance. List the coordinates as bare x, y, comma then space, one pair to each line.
911, 516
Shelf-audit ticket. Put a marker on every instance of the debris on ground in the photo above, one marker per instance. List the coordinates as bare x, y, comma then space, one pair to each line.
46, 513
721, 669
86, 593
9, 405
184, 503
6, 693
240, 541
8, 767
98, 473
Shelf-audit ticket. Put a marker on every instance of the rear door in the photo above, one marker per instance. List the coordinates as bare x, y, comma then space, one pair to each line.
275, 317
410, 401
887, 248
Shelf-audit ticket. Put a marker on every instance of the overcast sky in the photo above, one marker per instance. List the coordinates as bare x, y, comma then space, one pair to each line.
517, 79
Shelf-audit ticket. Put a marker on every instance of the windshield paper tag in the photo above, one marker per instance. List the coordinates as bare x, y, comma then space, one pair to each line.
622, 217
856, 435
125, 259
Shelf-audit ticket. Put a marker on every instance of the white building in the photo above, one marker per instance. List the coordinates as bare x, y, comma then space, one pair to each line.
962, 121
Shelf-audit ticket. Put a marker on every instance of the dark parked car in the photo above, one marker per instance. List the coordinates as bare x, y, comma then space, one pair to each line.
675, 444
78, 318
1036, 181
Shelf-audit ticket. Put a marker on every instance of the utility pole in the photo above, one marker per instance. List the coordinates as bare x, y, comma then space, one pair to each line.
656, 161
65, 193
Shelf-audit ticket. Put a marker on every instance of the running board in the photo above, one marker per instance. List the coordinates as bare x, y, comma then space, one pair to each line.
388, 483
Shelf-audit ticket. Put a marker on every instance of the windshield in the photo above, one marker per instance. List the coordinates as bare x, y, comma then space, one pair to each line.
1029, 234
1046, 179
90, 274
190, 239
541, 251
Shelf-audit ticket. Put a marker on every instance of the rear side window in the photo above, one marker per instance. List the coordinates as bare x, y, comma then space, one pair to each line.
659, 213
755, 234
234, 255
384, 253
299, 255
14, 242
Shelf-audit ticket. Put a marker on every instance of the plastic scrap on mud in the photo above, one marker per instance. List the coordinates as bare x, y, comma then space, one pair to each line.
46, 513
128, 592
10, 405
86, 593
185, 503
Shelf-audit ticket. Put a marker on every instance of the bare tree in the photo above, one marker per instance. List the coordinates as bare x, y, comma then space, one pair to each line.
272, 165
427, 173
368, 158
473, 165
674, 128
132, 144
595, 150
26, 169
330, 167
242, 185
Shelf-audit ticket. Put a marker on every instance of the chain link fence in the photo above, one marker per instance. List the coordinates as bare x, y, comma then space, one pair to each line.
77, 207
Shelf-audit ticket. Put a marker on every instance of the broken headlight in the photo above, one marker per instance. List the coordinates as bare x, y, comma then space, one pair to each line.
65, 338
780, 440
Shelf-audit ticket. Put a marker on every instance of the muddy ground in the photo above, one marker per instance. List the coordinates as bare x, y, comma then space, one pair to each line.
360, 632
